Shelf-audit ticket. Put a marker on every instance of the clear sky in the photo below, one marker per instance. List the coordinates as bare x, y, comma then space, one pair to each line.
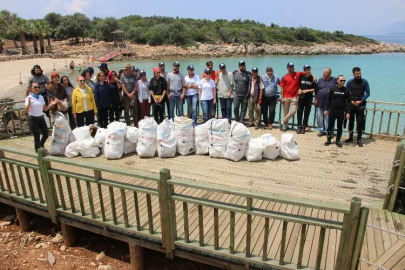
351, 16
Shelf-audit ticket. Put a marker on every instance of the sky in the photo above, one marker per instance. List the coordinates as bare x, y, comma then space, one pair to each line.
362, 17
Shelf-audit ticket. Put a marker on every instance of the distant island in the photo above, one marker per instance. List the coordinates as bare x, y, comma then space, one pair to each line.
164, 36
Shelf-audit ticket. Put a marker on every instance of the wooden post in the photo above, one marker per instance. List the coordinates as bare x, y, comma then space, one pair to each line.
24, 220
348, 236
397, 181
50, 197
372, 121
361, 231
68, 234
136, 255
394, 171
165, 214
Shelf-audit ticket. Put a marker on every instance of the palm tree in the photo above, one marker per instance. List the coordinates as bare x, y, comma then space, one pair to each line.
48, 30
41, 27
9, 19
32, 29
20, 26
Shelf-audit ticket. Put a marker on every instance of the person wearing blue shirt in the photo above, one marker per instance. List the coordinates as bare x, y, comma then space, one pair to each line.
270, 82
102, 95
360, 91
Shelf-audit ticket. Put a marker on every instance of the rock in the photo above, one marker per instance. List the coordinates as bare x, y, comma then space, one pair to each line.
57, 239
105, 267
93, 264
41, 255
100, 256
38, 238
41, 245
63, 248
9, 218
51, 258
5, 223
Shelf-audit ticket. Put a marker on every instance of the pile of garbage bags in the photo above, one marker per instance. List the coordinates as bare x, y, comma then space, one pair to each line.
215, 138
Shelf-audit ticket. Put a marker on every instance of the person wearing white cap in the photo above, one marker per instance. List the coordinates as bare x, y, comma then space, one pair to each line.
130, 88
192, 93
176, 86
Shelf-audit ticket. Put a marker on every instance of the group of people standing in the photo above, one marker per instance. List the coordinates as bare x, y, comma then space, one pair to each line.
246, 91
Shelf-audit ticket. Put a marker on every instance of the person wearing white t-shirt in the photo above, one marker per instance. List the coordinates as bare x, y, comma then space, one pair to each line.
192, 93
35, 107
144, 95
207, 94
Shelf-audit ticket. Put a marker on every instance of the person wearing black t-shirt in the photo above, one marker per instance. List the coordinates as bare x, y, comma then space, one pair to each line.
307, 87
158, 90
337, 102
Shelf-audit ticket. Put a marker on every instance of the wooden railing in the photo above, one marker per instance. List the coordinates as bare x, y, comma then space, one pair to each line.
151, 206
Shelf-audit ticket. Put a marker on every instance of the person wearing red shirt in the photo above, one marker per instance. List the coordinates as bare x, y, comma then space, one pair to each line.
214, 77
290, 84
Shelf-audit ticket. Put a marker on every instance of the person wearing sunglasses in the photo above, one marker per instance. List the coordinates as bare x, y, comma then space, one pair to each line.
176, 86
102, 96
214, 77
35, 107
192, 92
207, 94
158, 90
83, 103
56, 91
64, 80
143, 94
337, 103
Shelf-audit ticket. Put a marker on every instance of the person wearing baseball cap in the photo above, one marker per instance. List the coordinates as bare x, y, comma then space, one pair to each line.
135, 70
104, 68
56, 92
176, 86
305, 97
38, 77
192, 93
225, 91
158, 90
130, 88
290, 84
242, 79
256, 88
144, 94
207, 94
214, 77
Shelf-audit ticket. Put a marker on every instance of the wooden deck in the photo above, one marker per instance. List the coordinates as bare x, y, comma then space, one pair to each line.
326, 174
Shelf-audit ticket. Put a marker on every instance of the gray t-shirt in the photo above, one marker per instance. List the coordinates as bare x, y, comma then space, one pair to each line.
225, 81
322, 90
242, 80
41, 80
176, 82
129, 81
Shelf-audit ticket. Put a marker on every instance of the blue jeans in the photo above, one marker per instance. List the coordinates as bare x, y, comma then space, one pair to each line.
206, 106
322, 120
192, 101
226, 107
175, 101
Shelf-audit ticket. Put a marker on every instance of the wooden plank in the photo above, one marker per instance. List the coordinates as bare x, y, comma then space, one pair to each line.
61, 193
185, 216
398, 255
400, 265
378, 238
136, 257
293, 234
5, 171
68, 234
265, 238
390, 224
29, 182
249, 205
216, 232
315, 242
21, 178
136, 205
319, 254
387, 256
24, 220
124, 207
38, 185
201, 225
16, 189
232, 233
79, 191
150, 217
112, 201
71, 199
387, 241
302, 243
101, 200
283, 240
309, 240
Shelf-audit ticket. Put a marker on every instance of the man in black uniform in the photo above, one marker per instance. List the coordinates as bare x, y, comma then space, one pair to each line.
242, 80
360, 91
307, 87
337, 102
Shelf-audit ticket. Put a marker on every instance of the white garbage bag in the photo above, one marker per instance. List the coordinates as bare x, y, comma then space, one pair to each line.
81, 133
71, 150
88, 148
146, 146
60, 135
289, 148
166, 140
255, 149
114, 140
218, 137
271, 146
201, 140
100, 137
129, 147
184, 133
238, 140
132, 134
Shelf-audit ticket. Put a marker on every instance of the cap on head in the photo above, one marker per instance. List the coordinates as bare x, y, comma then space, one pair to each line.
161, 64
255, 69
269, 69
190, 67
306, 66
242, 63
176, 64
55, 74
155, 69
103, 65
142, 73
222, 65
207, 71
127, 65
135, 69
37, 67
290, 65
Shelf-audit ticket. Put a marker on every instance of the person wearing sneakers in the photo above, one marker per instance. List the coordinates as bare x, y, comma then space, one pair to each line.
337, 103
176, 90
242, 79
290, 84
225, 91
307, 88
256, 88
360, 91
270, 82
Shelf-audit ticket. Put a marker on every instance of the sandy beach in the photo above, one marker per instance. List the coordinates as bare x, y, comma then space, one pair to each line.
12, 70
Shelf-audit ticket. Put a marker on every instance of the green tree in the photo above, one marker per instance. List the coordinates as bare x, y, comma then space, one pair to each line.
73, 26
8, 19
33, 31
53, 19
103, 28
20, 27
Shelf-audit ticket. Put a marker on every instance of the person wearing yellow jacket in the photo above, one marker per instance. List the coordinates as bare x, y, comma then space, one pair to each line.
83, 104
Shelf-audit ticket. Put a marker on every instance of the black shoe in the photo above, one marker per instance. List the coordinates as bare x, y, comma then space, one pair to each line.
320, 134
303, 130
339, 144
299, 130
349, 140
327, 143
285, 128
359, 143
256, 127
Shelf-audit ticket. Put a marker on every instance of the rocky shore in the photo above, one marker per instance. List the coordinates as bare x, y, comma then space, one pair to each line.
62, 49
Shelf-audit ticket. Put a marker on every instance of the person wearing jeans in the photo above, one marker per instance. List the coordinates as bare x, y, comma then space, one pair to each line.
225, 91
207, 94
130, 88
323, 86
102, 95
83, 104
176, 87
158, 90
270, 82
242, 80
192, 93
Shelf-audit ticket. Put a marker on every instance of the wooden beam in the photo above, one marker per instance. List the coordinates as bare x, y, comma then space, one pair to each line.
68, 234
24, 220
136, 255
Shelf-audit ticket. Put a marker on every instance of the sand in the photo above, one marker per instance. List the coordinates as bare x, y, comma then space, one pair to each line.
9, 82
